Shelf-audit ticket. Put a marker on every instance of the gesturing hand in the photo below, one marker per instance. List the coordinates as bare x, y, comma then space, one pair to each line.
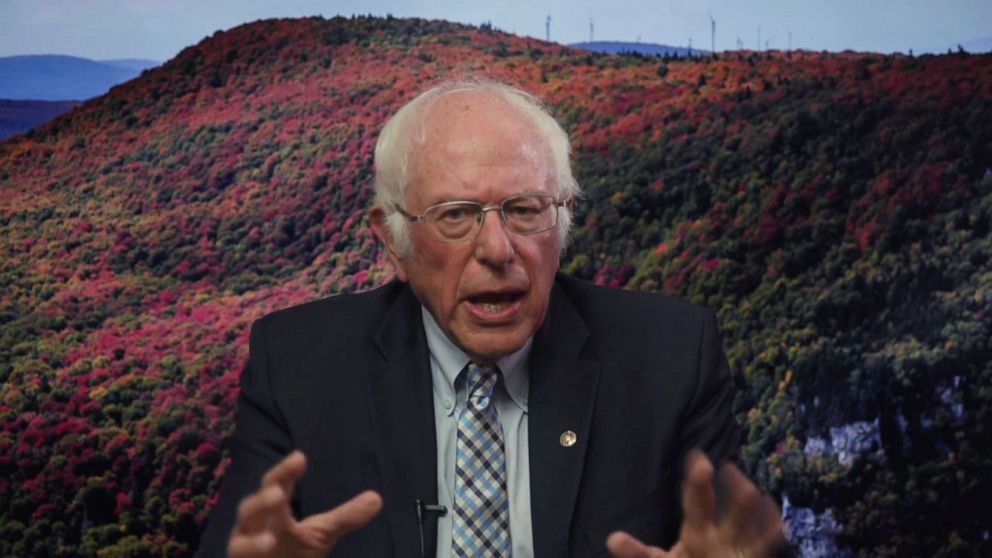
751, 528
266, 527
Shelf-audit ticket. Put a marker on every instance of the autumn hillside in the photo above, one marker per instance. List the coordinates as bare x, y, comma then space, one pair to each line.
835, 209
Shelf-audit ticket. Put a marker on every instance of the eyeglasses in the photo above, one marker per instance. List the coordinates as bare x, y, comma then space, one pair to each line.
457, 221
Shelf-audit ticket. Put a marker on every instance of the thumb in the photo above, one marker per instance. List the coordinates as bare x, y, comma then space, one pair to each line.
349, 516
623, 545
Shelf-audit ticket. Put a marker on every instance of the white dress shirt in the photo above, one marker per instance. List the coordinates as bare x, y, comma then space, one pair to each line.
510, 399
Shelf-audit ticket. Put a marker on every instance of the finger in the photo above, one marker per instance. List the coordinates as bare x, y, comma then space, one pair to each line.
256, 511
678, 551
344, 519
623, 545
251, 546
741, 524
283, 477
698, 498
286, 472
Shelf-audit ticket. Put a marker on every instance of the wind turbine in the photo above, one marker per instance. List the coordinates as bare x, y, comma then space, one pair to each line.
712, 35
547, 29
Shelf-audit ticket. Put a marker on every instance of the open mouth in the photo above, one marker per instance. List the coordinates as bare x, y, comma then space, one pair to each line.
493, 305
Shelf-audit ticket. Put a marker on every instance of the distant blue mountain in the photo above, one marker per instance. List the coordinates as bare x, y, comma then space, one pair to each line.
650, 49
48, 77
21, 116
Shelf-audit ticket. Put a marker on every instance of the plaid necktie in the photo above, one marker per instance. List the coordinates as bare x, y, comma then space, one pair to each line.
481, 520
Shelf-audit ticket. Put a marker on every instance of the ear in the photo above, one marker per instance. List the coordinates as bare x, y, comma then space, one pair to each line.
378, 217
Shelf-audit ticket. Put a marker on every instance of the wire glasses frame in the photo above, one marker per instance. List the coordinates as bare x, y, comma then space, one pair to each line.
458, 221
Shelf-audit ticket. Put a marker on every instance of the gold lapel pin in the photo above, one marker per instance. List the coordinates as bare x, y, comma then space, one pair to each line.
567, 439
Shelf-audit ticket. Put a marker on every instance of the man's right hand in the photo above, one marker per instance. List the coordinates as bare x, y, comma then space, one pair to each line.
266, 526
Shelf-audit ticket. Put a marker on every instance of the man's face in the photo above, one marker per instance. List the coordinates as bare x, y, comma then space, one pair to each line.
490, 293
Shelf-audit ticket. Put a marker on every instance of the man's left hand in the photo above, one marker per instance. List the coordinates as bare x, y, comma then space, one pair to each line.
751, 528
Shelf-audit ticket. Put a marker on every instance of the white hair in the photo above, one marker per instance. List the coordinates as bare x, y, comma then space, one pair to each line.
406, 129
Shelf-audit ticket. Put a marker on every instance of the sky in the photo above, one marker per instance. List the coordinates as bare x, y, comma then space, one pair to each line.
159, 29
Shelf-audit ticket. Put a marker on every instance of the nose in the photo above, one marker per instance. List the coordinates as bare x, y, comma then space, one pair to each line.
493, 244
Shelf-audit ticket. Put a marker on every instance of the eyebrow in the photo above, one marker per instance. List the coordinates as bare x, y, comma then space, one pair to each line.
446, 199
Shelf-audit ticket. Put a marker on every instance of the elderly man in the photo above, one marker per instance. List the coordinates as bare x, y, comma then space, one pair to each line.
483, 405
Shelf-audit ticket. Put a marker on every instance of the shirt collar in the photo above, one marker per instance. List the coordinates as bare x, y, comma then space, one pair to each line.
451, 360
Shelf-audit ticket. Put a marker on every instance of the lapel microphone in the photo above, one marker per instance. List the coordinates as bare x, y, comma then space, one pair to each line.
422, 508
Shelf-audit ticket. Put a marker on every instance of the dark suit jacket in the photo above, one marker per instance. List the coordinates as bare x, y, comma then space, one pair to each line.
641, 378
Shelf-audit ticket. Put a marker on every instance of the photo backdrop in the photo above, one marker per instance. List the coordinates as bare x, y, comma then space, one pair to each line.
834, 209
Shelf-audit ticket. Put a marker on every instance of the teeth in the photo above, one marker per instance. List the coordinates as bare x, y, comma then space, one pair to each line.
493, 307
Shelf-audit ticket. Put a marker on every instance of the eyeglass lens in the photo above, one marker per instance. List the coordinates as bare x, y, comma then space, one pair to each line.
521, 214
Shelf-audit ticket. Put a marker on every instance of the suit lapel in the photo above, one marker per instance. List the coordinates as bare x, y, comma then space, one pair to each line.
561, 398
401, 405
